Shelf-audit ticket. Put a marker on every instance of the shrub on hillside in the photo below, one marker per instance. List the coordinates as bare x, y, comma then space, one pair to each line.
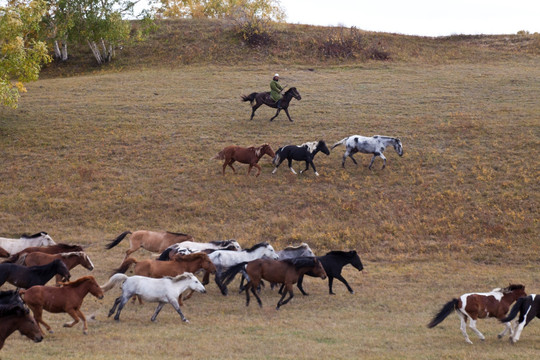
344, 43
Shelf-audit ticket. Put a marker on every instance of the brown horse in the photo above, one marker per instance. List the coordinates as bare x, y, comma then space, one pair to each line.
67, 298
250, 155
3, 253
285, 272
476, 306
15, 316
177, 266
51, 249
154, 241
70, 259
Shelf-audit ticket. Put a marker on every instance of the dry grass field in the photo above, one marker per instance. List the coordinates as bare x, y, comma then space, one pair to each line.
88, 157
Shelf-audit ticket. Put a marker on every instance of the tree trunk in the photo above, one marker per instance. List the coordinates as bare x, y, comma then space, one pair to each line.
95, 50
64, 51
57, 53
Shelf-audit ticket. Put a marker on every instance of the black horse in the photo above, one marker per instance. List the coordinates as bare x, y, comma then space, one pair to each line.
25, 277
305, 152
264, 98
528, 308
9, 300
333, 262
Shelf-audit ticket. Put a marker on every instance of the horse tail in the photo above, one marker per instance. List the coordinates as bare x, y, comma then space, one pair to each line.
276, 158
113, 281
21, 260
229, 275
339, 143
165, 255
445, 311
219, 156
12, 259
515, 309
250, 97
125, 265
116, 241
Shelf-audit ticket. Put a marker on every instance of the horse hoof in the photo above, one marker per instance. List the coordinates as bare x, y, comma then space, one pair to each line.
186, 321
317, 173
85, 332
499, 336
352, 291
51, 332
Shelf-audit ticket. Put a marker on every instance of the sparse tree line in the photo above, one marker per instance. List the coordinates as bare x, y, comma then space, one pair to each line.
34, 32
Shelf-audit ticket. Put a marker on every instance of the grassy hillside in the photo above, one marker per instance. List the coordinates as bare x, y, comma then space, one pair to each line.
88, 157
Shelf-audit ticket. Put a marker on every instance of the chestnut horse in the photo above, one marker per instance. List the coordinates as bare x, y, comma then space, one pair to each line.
70, 259
3, 253
476, 306
15, 316
68, 299
285, 272
250, 155
153, 241
51, 249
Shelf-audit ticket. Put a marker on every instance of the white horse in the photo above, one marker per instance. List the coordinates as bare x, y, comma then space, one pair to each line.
224, 259
163, 290
369, 145
291, 252
13, 246
212, 245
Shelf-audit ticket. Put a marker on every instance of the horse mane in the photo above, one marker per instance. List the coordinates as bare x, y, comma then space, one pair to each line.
78, 281
177, 234
301, 246
347, 254
513, 287
291, 89
256, 246
180, 277
190, 257
36, 235
311, 145
222, 242
302, 261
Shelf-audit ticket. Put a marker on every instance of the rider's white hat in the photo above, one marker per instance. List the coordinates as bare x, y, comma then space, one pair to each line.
276, 74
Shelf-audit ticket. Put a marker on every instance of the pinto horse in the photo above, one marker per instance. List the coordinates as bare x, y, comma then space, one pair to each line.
333, 263
250, 155
26, 277
528, 308
51, 249
476, 306
14, 316
285, 272
190, 247
70, 259
153, 241
67, 299
163, 290
16, 245
264, 98
369, 145
305, 152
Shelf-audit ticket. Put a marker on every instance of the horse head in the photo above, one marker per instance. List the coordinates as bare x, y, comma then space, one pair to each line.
398, 147
321, 146
195, 284
208, 265
62, 269
355, 260
29, 328
292, 91
318, 270
269, 252
86, 262
267, 150
517, 289
95, 289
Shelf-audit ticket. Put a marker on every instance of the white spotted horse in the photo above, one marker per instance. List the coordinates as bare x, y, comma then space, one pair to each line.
369, 145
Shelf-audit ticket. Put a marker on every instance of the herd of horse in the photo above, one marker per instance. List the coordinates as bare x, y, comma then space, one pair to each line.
166, 279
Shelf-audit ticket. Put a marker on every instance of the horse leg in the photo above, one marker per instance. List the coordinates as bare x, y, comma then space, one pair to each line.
313, 166
176, 307
230, 165
463, 326
74, 314
342, 279
116, 302
384, 160
353, 159
123, 301
277, 165
372, 160
330, 282
254, 291
188, 295
517, 332
158, 309
258, 169
299, 285
289, 160
38, 312
288, 290
507, 328
206, 278
306, 169
247, 292
472, 325
287, 112
275, 116
253, 109
221, 286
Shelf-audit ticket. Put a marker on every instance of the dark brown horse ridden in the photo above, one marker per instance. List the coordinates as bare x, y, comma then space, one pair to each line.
284, 272
153, 241
258, 99
250, 155
70, 259
51, 249
65, 299
14, 316
474, 306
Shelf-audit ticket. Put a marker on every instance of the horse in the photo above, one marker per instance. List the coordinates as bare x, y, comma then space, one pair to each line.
333, 263
528, 308
163, 290
51, 249
178, 265
153, 241
25, 277
3, 252
70, 259
16, 245
224, 259
264, 98
285, 272
250, 155
369, 145
65, 299
476, 306
305, 152
189, 247
14, 315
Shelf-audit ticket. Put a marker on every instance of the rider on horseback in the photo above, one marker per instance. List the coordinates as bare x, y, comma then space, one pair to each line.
275, 90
